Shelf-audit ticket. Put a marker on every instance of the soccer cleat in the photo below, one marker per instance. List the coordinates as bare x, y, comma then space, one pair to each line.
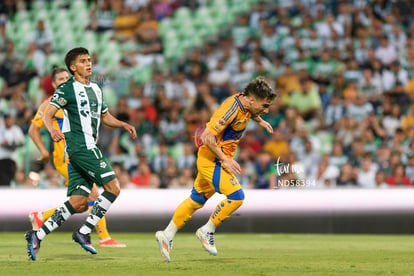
36, 220
84, 241
207, 240
164, 244
33, 244
110, 242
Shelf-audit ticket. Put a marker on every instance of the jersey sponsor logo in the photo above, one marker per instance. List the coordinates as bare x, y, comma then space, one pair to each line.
91, 173
233, 181
102, 164
83, 108
94, 114
221, 122
62, 101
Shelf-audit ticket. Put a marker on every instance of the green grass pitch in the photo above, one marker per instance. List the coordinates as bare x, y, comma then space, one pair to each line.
238, 254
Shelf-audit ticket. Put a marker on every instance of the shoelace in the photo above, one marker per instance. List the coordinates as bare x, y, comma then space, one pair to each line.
86, 238
210, 238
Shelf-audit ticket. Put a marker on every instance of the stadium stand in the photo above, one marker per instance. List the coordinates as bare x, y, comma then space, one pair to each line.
333, 53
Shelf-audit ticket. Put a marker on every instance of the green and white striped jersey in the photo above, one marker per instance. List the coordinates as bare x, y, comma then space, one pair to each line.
82, 105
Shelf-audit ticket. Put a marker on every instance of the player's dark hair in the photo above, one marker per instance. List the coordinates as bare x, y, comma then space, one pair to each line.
260, 89
57, 70
73, 54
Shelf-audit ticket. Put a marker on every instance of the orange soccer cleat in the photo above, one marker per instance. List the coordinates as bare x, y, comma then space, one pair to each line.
110, 242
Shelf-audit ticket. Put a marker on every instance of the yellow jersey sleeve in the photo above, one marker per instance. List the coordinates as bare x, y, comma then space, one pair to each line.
38, 118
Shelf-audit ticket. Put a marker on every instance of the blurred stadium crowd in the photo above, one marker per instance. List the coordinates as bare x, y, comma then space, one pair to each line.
344, 70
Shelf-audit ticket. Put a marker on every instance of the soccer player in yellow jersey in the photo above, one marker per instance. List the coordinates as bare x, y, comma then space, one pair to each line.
217, 169
61, 162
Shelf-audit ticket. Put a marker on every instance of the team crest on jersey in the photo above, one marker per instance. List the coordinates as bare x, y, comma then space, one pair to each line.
102, 164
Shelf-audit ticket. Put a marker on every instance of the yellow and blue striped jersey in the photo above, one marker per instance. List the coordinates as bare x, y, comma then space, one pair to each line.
227, 123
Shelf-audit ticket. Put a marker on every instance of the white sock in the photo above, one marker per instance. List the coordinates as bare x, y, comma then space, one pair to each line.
102, 204
171, 230
209, 227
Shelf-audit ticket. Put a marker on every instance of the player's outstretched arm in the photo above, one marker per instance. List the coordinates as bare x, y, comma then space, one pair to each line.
210, 141
55, 134
111, 121
34, 133
263, 124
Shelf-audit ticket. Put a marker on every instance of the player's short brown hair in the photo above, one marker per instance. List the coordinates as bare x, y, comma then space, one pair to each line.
260, 88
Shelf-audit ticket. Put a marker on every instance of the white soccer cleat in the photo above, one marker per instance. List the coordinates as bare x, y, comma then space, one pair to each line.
164, 244
207, 240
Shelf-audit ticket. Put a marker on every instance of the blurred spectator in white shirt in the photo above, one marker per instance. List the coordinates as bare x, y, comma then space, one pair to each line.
11, 137
325, 175
391, 122
386, 52
42, 35
366, 174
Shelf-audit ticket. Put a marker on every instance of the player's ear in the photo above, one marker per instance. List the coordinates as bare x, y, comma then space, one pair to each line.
73, 67
251, 100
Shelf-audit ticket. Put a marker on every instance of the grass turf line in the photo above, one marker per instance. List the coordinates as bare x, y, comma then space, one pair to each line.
239, 254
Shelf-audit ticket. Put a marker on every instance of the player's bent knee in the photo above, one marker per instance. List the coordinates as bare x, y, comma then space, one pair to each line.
94, 193
237, 195
197, 197
80, 205
113, 187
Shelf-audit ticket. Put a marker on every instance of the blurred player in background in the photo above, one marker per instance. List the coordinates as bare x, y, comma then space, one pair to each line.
84, 107
217, 169
61, 162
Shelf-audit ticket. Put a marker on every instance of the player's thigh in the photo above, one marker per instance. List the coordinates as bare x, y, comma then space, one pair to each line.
203, 187
228, 183
216, 178
94, 193
78, 184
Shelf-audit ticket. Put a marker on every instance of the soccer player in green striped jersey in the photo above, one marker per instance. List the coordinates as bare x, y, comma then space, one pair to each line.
84, 108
